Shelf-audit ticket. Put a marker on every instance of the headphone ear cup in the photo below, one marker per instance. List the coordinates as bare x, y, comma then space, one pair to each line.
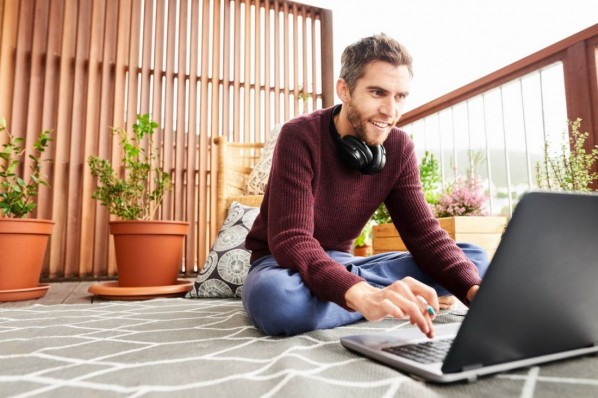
378, 160
354, 152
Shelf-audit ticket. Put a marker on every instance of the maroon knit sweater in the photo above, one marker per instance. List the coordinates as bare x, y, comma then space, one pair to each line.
313, 202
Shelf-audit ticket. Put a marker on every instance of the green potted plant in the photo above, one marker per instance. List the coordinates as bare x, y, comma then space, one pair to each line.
363, 244
569, 168
23, 241
148, 251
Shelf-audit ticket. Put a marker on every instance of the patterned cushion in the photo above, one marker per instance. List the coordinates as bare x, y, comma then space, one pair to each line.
227, 264
258, 178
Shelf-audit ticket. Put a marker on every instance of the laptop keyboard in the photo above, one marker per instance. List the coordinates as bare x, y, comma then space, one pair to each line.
425, 352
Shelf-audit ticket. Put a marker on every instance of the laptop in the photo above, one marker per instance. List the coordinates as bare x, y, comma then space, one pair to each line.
536, 304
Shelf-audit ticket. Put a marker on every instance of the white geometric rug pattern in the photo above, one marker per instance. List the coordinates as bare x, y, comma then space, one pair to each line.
208, 348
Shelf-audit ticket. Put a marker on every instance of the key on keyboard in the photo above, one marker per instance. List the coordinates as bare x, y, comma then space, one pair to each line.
425, 352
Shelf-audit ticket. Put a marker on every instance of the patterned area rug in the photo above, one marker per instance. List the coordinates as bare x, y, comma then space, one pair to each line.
208, 348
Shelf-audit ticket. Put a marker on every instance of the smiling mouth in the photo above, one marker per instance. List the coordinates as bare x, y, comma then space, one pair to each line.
380, 125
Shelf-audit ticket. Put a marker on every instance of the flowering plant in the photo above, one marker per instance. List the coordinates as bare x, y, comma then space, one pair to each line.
465, 197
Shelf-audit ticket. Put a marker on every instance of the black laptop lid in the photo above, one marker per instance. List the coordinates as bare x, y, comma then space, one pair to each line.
540, 293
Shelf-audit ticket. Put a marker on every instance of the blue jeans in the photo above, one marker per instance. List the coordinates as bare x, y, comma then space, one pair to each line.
278, 302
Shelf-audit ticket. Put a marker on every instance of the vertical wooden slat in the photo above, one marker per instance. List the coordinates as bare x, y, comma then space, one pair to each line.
305, 84
101, 253
327, 60
64, 131
36, 81
237, 74
143, 71
257, 71
226, 78
146, 63
133, 64
267, 50
195, 247
207, 212
167, 144
158, 75
23, 69
158, 39
247, 74
203, 129
578, 88
1, 18
181, 129
118, 118
285, 44
277, 62
314, 64
47, 70
295, 61
49, 106
92, 130
215, 131
8, 48
76, 151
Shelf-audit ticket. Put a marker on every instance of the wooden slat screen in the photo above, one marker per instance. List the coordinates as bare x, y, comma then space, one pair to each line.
201, 68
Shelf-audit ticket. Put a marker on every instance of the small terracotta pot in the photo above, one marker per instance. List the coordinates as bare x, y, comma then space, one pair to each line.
148, 253
362, 251
23, 245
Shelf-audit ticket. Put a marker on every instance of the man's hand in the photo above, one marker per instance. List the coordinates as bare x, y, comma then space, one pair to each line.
472, 292
399, 300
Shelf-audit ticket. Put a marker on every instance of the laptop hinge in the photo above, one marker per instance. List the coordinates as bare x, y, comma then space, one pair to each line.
471, 367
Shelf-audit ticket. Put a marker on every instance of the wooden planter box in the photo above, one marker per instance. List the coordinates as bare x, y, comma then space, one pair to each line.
485, 231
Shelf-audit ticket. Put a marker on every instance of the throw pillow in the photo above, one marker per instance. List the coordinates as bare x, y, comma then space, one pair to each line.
258, 178
225, 269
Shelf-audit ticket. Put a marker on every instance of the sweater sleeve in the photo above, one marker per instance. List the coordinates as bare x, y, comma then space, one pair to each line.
291, 216
432, 248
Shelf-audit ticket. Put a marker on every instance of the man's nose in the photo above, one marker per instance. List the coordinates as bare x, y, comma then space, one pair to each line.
389, 107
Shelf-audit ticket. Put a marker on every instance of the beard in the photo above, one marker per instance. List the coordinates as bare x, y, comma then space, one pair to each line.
360, 126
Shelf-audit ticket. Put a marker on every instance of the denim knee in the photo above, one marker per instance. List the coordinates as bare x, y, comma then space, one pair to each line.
273, 301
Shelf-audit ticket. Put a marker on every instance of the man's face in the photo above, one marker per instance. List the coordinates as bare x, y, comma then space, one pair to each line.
376, 103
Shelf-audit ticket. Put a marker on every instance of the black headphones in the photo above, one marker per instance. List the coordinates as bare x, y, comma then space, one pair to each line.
357, 154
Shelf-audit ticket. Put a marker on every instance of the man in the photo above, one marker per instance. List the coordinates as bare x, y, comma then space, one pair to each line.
331, 169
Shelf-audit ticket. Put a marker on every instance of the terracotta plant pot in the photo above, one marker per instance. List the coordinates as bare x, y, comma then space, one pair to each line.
23, 245
148, 253
362, 251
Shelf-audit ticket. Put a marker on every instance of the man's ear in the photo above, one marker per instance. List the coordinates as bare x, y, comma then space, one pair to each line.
342, 90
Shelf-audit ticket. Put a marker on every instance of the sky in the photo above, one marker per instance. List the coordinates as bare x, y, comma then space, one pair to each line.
454, 42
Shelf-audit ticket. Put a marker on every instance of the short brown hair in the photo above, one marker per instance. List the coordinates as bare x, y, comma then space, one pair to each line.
379, 47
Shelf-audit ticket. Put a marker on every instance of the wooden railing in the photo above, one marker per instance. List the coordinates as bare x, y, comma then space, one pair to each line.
201, 68
480, 116
579, 54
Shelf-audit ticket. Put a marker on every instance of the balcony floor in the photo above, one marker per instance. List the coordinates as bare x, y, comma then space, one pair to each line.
62, 293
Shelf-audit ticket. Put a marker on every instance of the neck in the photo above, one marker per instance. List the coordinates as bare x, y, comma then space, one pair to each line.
341, 122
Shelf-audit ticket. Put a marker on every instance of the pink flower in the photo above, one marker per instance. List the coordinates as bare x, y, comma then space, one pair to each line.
465, 197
